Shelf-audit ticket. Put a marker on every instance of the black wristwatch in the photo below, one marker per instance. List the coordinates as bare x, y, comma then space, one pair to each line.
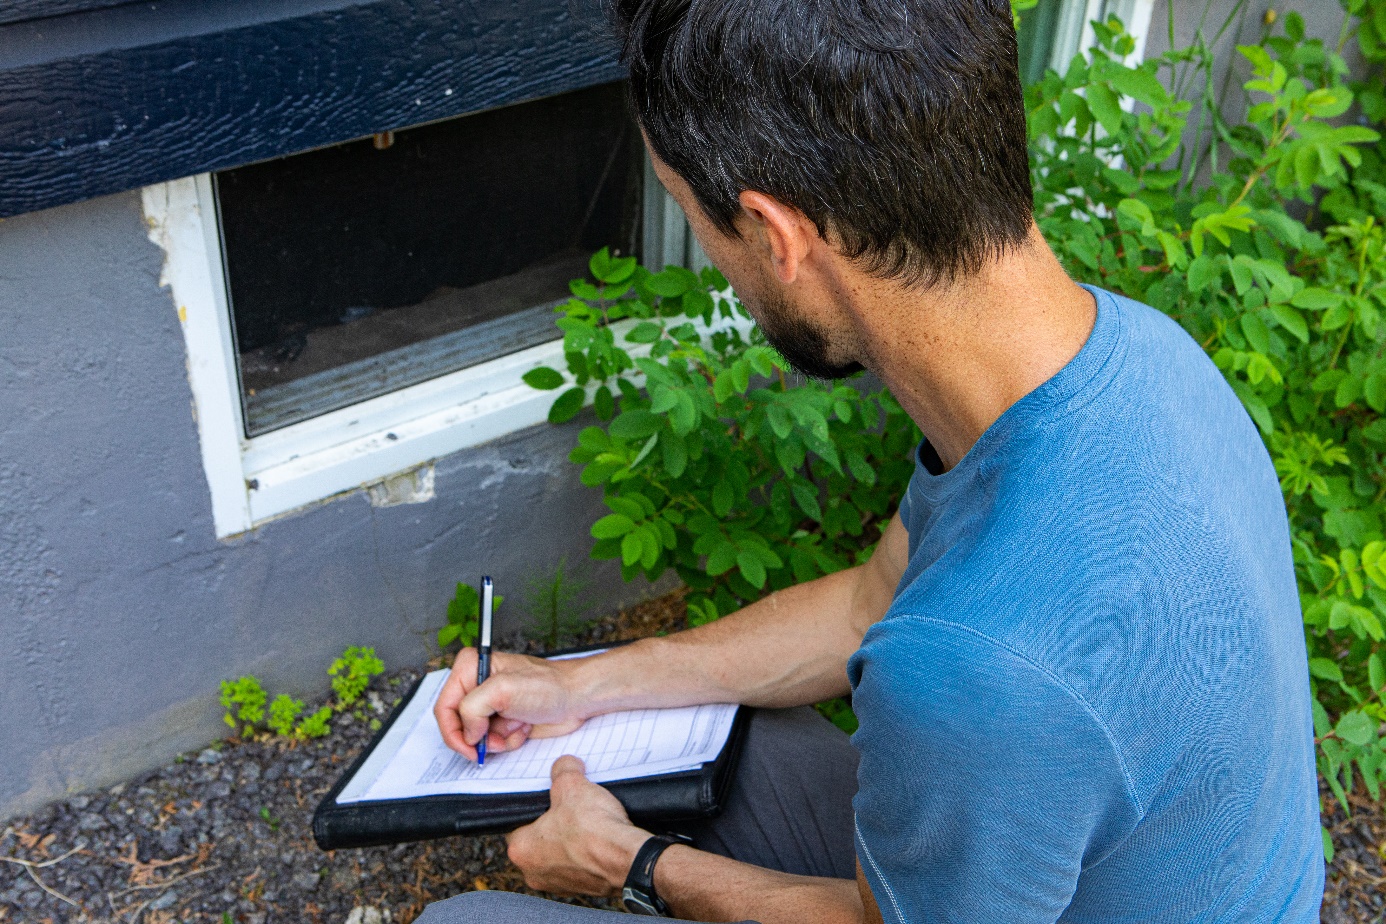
638, 894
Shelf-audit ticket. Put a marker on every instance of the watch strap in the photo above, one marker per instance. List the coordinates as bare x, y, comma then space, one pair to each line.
638, 894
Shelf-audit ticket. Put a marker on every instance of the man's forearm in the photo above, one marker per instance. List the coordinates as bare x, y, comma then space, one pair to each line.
788, 649
706, 887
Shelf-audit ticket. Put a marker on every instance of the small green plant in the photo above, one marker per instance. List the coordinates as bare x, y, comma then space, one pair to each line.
463, 612
244, 700
268, 818
352, 673
283, 713
317, 725
554, 607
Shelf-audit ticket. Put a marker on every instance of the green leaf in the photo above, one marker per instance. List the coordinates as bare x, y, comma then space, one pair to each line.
1139, 84
645, 332
779, 420
751, 567
1202, 272
807, 500
1291, 320
632, 548
645, 450
722, 498
1106, 107
675, 454
566, 406
1356, 728
722, 559
543, 378
612, 526
603, 403
636, 424
1325, 669
684, 414
1327, 844
1376, 673
611, 270
1256, 332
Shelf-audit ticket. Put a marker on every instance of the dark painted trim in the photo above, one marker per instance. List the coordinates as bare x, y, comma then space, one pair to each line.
23, 10
113, 99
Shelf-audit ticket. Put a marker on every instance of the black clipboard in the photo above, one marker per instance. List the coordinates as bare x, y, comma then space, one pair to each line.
665, 798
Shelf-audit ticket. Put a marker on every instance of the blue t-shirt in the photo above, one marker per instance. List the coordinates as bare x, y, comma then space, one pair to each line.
1090, 699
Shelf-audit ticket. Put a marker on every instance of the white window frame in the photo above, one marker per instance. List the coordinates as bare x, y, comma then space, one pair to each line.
1074, 30
256, 479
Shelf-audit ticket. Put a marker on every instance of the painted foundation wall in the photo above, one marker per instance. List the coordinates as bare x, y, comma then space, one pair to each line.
120, 613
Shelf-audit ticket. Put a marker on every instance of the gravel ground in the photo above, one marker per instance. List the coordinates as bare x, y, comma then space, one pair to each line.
223, 836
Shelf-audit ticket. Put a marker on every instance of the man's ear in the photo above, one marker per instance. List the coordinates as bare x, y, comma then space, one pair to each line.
788, 233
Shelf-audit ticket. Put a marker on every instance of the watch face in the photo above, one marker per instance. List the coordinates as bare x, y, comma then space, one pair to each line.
638, 903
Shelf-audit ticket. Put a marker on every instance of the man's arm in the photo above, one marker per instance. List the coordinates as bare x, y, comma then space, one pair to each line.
585, 845
789, 649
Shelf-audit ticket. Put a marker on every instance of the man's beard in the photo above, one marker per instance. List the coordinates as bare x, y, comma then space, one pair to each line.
803, 345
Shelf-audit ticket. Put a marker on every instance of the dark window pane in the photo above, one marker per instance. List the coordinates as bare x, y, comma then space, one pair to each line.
357, 270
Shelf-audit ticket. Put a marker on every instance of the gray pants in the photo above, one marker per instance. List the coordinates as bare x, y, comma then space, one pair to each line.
789, 809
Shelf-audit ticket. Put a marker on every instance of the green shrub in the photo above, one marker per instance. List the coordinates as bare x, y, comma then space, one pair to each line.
244, 701
722, 467
554, 606
352, 673
1263, 240
284, 712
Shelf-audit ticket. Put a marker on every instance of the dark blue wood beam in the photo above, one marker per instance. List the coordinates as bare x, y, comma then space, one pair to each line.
108, 99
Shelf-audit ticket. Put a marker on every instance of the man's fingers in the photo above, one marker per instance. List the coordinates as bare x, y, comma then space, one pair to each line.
455, 688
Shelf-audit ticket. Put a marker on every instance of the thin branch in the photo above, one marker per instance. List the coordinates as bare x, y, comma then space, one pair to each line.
45, 863
53, 892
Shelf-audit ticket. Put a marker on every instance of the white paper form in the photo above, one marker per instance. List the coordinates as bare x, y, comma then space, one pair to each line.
412, 759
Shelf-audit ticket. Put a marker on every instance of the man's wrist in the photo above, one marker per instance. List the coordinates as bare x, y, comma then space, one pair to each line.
607, 682
617, 853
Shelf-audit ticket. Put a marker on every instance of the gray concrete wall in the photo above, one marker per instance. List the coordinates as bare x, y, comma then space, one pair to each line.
1240, 22
120, 612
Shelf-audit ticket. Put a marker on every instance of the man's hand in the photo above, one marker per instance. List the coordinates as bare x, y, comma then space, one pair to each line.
530, 696
583, 845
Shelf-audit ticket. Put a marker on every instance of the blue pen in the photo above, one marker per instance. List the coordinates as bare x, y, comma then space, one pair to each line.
483, 656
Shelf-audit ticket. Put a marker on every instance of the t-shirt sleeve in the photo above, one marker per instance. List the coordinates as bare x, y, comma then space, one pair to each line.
986, 785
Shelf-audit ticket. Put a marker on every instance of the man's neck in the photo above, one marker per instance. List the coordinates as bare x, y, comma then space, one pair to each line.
957, 356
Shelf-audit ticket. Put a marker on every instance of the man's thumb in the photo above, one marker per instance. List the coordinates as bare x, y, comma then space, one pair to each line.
568, 767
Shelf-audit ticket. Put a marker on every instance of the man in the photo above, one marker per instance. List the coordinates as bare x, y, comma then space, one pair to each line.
1076, 654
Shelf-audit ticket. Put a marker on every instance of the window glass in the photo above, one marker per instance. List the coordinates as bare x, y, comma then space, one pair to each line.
366, 267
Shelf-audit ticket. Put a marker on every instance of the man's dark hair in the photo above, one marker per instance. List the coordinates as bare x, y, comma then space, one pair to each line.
896, 125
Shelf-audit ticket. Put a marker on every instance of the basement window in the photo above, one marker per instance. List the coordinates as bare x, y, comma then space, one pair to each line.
368, 267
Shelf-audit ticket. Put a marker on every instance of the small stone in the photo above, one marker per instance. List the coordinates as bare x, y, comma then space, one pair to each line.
90, 821
273, 773
171, 839
80, 802
219, 790
117, 789
250, 772
366, 914
164, 901
209, 756
306, 882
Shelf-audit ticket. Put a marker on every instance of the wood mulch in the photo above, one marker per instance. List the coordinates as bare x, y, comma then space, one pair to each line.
223, 837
